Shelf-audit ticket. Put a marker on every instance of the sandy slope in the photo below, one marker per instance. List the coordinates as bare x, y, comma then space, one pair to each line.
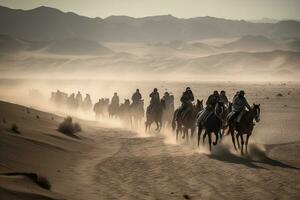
106, 163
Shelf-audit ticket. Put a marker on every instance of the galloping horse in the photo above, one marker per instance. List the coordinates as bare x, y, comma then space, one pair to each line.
245, 126
154, 114
224, 115
137, 113
211, 125
187, 120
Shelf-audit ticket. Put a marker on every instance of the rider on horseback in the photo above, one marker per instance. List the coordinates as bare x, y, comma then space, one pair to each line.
169, 100
238, 107
223, 98
136, 98
155, 99
186, 99
115, 100
211, 103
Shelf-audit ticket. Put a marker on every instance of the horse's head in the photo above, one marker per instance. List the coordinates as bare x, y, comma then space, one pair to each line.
199, 105
127, 102
220, 108
256, 112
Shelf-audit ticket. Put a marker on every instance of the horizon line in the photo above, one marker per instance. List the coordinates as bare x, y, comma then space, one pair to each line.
141, 17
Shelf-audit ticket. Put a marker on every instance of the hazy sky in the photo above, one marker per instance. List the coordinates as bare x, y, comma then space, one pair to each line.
232, 9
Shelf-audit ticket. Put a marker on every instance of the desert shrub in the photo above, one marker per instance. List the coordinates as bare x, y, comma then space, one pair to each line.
14, 128
68, 127
279, 95
37, 116
4, 121
40, 180
43, 182
52, 118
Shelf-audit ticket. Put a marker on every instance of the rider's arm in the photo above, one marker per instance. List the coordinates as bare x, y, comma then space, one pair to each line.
247, 104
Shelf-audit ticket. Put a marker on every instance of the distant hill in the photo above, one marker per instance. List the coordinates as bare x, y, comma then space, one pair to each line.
9, 44
77, 47
74, 46
252, 43
48, 24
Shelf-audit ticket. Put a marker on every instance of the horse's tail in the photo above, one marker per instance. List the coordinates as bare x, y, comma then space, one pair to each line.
174, 120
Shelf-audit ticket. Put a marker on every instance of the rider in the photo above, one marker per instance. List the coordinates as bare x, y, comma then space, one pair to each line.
223, 98
79, 98
211, 103
169, 99
115, 100
238, 107
186, 99
136, 97
155, 99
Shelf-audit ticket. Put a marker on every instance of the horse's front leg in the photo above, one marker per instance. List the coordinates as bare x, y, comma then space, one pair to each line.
242, 141
217, 137
192, 132
209, 141
157, 126
246, 143
204, 136
237, 140
232, 136
199, 133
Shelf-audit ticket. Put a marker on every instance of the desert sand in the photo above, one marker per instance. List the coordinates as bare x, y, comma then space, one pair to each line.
112, 162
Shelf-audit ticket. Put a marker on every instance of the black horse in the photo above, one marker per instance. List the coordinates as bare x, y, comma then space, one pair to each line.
245, 126
187, 120
212, 124
154, 114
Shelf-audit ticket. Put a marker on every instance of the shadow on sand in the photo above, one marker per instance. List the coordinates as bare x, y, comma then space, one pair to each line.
254, 157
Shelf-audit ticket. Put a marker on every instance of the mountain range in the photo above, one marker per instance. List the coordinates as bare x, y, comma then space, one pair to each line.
47, 24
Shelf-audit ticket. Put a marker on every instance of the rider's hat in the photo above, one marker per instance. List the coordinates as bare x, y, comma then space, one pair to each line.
242, 92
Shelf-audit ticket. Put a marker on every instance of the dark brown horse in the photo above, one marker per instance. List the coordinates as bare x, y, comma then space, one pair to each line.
154, 114
212, 124
187, 120
244, 127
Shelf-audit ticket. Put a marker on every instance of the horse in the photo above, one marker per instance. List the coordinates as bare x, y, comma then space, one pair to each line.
154, 114
223, 115
113, 110
212, 124
168, 114
100, 108
124, 112
245, 127
187, 120
137, 113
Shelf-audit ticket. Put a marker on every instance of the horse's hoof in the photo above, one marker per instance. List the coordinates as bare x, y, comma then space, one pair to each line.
214, 143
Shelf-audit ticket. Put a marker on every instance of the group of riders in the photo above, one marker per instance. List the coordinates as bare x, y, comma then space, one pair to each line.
218, 113
73, 102
238, 106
